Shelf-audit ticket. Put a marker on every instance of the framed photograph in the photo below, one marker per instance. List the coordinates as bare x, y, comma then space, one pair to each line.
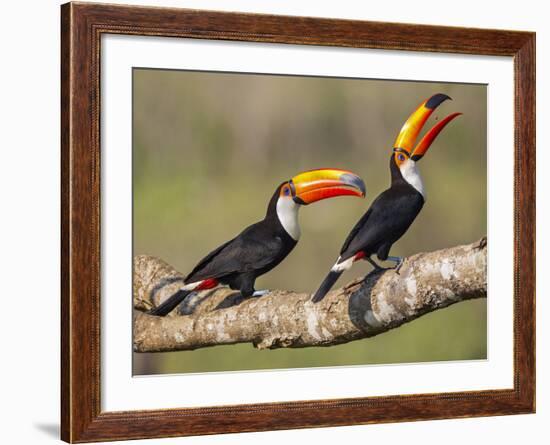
274, 222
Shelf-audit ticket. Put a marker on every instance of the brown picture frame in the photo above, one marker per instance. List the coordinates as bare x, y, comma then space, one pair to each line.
82, 26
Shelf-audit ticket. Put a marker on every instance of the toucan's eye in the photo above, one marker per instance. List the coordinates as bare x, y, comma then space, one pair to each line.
401, 157
286, 191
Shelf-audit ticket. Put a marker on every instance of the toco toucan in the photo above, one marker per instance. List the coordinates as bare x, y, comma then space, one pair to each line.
263, 245
394, 210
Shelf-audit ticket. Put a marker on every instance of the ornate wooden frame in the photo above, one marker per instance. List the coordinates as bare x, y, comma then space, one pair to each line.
81, 28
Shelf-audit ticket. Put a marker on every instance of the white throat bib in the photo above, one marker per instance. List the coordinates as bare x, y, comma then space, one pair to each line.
287, 211
412, 176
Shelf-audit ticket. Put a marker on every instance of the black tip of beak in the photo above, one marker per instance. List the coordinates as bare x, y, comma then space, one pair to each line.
354, 181
436, 100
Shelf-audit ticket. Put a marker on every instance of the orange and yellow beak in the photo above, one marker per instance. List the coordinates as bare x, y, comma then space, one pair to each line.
410, 131
315, 185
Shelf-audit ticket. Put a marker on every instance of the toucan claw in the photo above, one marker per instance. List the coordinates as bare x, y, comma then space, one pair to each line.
399, 261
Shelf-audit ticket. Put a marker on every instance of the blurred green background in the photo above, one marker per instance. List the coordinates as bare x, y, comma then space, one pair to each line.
210, 148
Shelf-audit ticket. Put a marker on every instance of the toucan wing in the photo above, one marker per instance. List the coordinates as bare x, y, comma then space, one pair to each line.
346, 247
246, 252
206, 260
387, 219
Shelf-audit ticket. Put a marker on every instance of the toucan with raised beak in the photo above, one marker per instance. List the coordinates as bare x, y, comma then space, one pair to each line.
263, 245
393, 211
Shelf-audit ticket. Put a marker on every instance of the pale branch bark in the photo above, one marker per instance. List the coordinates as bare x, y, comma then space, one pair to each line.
363, 308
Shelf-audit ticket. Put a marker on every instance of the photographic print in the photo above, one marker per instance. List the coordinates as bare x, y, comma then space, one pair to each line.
261, 202
310, 215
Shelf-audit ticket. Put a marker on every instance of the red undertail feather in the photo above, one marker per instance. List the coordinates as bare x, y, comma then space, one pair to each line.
209, 283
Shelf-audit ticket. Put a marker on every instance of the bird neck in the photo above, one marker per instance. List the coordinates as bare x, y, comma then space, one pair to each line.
408, 175
284, 211
287, 213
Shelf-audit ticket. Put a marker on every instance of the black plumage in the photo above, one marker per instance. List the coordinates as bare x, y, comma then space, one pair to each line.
255, 251
238, 262
387, 219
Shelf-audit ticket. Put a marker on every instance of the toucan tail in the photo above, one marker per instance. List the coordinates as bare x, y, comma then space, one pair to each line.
170, 303
326, 285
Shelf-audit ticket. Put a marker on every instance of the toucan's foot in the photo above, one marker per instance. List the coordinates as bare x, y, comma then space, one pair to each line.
260, 293
398, 262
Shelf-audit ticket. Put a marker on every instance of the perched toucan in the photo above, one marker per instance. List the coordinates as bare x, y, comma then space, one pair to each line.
263, 245
394, 210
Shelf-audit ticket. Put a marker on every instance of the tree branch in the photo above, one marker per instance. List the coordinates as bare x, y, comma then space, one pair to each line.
365, 307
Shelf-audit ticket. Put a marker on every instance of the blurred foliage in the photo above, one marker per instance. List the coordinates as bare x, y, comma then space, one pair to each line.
210, 148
